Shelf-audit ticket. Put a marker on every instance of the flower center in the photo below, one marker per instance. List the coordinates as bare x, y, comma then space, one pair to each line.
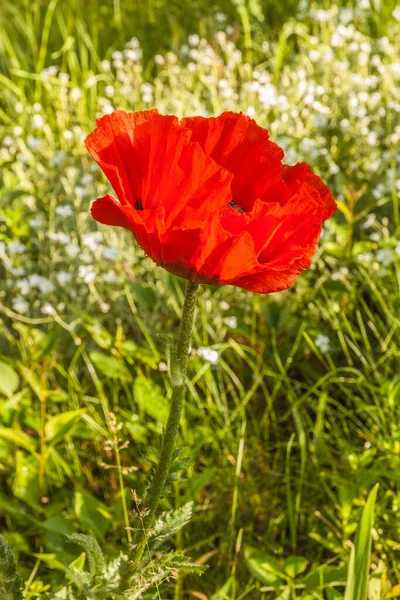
236, 206
138, 204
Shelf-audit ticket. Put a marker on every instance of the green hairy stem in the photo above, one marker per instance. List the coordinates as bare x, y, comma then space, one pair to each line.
179, 360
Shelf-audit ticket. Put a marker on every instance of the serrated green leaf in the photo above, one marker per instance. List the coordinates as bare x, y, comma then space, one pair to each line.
11, 582
95, 555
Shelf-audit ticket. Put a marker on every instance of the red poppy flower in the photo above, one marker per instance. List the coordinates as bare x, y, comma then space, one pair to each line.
209, 198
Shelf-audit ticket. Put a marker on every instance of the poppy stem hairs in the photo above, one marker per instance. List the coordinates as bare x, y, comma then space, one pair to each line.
179, 360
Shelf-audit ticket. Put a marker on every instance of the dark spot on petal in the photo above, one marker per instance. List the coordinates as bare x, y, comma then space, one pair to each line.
138, 204
236, 206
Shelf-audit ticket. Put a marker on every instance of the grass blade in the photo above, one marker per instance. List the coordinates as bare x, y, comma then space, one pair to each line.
360, 557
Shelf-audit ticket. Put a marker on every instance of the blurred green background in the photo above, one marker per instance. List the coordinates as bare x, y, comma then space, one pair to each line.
293, 411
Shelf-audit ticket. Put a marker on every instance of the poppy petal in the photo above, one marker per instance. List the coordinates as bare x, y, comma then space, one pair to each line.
238, 144
119, 146
295, 176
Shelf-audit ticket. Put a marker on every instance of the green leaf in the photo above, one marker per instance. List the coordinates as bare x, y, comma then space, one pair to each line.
92, 513
46, 345
95, 556
26, 481
78, 563
9, 379
50, 559
264, 567
110, 366
144, 295
150, 398
223, 593
171, 522
19, 438
360, 557
59, 426
295, 565
324, 576
11, 582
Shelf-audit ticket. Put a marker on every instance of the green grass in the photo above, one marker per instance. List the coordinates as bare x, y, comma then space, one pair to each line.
285, 436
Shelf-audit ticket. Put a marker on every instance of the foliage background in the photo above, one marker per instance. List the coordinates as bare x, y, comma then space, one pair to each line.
293, 414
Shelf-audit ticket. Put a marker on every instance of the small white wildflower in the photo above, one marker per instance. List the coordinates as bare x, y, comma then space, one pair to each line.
397, 249
105, 65
231, 322
64, 210
18, 271
32, 142
87, 273
75, 94
209, 354
109, 91
16, 247
72, 250
346, 15
37, 221
110, 277
110, 253
91, 81
8, 141
47, 309
163, 367
20, 305
133, 43
37, 107
87, 179
58, 158
17, 130
367, 445
63, 277
64, 77
375, 237
385, 257
365, 257
133, 54
60, 237
342, 273
370, 220
323, 343
396, 13
68, 135
224, 305
37, 122
194, 40
42, 283
23, 286
19, 107
92, 240
159, 59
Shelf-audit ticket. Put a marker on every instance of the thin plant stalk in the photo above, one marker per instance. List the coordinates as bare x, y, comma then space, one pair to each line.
179, 360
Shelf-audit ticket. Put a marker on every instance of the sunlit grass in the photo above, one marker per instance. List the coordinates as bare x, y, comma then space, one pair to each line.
293, 415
